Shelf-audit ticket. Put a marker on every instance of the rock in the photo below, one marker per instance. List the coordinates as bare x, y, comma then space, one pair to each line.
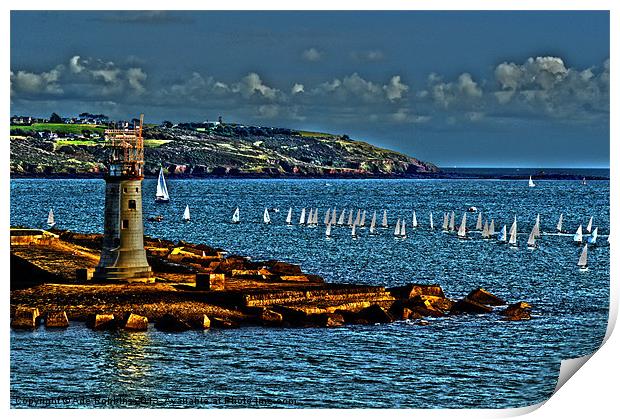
171, 323
102, 322
202, 322
56, 319
135, 322
327, 319
375, 314
399, 312
224, 323
25, 318
291, 315
84, 274
270, 318
283, 268
431, 302
425, 307
470, 307
482, 296
517, 311
210, 282
409, 291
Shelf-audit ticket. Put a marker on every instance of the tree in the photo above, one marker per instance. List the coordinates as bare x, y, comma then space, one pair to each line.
55, 118
167, 124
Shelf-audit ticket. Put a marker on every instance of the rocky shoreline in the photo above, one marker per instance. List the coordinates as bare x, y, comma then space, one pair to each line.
198, 287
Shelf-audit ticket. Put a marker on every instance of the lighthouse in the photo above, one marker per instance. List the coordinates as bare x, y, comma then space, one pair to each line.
123, 258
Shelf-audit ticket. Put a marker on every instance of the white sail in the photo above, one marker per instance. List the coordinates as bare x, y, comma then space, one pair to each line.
403, 231
559, 226
373, 221
333, 221
358, 217
431, 221
452, 221
302, 217
502, 235
485, 230
593, 237
316, 217
353, 233
531, 183
235, 217
479, 222
50, 218
531, 241
309, 217
589, 226
341, 219
350, 221
444, 225
492, 228
578, 237
363, 221
328, 230
463, 227
327, 216
266, 218
162, 189
186, 216
583, 259
414, 221
536, 229
289, 216
513, 233
397, 228
384, 222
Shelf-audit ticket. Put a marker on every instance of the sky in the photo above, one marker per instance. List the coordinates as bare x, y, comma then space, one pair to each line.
494, 89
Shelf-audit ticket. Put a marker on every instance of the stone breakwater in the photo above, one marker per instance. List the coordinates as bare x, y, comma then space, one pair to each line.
198, 287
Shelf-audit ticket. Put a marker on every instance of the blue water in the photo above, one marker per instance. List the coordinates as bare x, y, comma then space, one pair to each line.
468, 361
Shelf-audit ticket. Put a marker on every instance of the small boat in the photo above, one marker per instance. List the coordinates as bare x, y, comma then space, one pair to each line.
328, 230
302, 217
472, 209
350, 221
492, 228
384, 222
485, 230
397, 228
479, 222
327, 217
403, 230
462, 233
363, 221
235, 216
593, 237
341, 219
559, 226
161, 196
156, 219
444, 224
186, 216
315, 219
51, 222
589, 226
583, 259
266, 217
536, 228
309, 218
414, 221
513, 233
333, 220
373, 223
358, 217
531, 241
289, 216
451, 226
502, 235
432, 227
353, 232
578, 237
531, 183
583, 181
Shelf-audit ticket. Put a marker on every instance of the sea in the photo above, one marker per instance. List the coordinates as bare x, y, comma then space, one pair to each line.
469, 361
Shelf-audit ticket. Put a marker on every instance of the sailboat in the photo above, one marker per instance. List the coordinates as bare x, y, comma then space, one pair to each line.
186, 216
578, 237
531, 241
363, 222
593, 237
350, 221
479, 222
289, 216
235, 216
431, 221
536, 228
266, 217
492, 228
403, 231
397, 228
302, 217
462, 233
353, 232
357, 217
485, 230
531, 183
414, 222
51, 222
559, 226
444, 225
451, 226
333, 220
327, 216
589, 226
373, 222
341, 219
502, 235
513, 233
583, 181
161, 196
315, 220
328, 230
310, 219
384, 222
583, 259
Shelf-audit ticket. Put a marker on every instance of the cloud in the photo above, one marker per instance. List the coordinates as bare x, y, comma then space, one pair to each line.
312, 55
136, 78
74, 64
462, 92
370, 55
394, 90
42, 83
297, 88
252, 84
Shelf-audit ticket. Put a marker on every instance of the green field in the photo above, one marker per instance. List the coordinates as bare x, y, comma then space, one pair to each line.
61, 128
315, 134
147, 143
